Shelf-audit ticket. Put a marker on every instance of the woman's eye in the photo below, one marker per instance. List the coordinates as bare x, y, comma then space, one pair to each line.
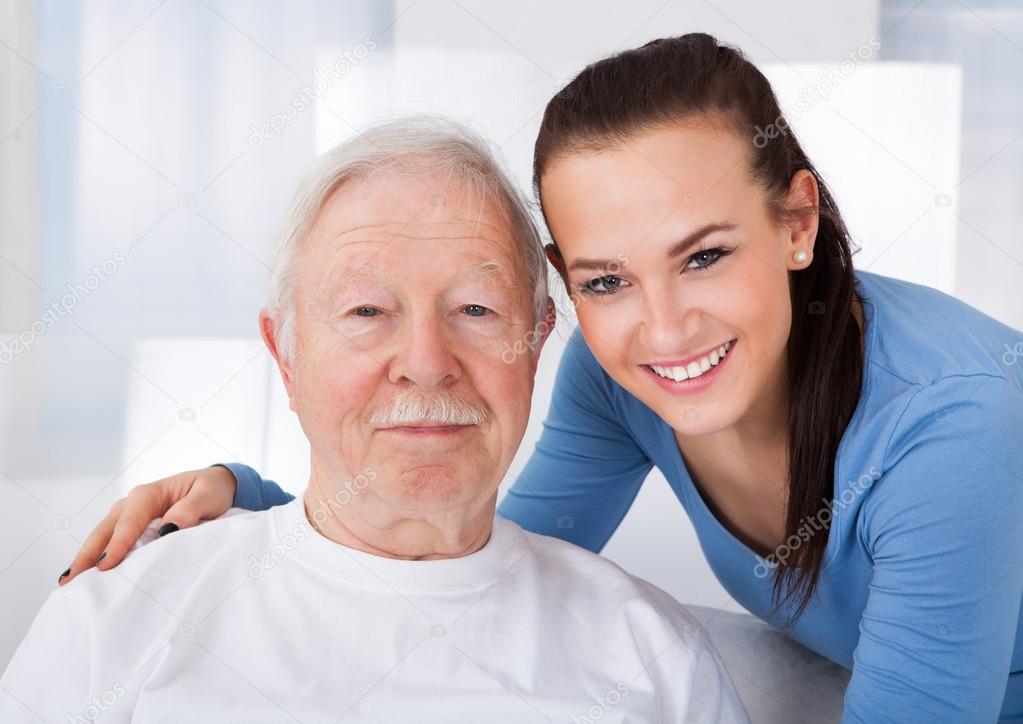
608, 284
706, 258
475, 310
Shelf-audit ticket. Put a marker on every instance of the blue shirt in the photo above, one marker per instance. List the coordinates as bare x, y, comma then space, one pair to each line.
922, 585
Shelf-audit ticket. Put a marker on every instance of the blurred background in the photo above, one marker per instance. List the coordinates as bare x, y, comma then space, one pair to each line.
148, 149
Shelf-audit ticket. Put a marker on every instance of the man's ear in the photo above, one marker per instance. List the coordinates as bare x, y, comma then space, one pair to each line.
270, 329
543, 330
803, 196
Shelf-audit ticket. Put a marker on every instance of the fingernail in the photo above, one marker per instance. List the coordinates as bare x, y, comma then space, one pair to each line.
167, 528
64, 575
101, 557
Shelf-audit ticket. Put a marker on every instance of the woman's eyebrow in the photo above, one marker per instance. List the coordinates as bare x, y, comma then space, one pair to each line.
697, 236
679, 248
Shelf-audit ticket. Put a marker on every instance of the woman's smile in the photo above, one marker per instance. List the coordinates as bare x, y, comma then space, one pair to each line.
691, 375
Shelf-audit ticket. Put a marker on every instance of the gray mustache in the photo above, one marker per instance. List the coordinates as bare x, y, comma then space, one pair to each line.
440, 409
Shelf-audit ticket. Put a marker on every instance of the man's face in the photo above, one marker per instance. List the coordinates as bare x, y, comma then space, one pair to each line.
418, 292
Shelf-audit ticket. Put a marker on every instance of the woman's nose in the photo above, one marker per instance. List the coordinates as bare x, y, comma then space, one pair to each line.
668, 326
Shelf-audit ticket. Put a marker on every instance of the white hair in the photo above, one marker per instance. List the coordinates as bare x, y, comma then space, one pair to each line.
429, 144
442, 407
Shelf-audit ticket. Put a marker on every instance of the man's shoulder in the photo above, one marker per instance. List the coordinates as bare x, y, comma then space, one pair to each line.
165, 568
602, 588
621, 623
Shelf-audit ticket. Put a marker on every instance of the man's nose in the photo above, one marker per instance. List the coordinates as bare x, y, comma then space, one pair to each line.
426, 355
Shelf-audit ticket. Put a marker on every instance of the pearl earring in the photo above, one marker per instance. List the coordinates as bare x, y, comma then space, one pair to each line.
799, 257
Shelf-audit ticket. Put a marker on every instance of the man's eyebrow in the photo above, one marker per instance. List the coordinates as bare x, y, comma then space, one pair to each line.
679, 248
489, 269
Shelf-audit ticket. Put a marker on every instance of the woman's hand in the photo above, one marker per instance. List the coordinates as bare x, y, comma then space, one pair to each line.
183, 500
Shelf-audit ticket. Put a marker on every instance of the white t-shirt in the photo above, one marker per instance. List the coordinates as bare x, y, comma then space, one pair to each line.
259, 618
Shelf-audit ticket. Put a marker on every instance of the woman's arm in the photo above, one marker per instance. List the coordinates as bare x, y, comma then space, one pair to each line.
183, 500
253, 492
943, 527
586, 469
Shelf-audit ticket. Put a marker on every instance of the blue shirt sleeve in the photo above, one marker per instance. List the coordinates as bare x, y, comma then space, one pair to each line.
586, 469
943, 528
254, 493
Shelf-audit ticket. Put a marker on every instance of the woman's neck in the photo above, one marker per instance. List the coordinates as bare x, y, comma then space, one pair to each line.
742, 471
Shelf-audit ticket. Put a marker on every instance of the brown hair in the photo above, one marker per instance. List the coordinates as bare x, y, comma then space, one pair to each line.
671, 80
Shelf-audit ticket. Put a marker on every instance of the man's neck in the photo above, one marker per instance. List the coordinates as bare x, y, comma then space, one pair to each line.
407, 538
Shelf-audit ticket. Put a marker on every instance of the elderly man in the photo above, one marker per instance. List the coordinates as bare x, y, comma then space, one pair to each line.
406, 270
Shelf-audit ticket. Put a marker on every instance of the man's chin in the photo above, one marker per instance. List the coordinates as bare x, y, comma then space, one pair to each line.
428, 488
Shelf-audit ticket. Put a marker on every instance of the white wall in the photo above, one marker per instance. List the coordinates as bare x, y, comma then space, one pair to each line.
149, 152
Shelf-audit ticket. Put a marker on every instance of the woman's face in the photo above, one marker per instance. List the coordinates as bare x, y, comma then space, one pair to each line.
672, 256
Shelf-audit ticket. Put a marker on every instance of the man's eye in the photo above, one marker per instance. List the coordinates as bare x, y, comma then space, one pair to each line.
366, 311
608, 284
475, 310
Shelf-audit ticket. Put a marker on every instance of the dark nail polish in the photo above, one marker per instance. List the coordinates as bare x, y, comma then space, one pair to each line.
101, 557
64, 575
167, 528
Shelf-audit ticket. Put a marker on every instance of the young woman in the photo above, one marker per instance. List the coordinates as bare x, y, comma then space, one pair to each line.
846, 445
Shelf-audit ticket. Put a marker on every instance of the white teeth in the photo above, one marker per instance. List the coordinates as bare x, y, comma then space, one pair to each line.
672, 373
696, 368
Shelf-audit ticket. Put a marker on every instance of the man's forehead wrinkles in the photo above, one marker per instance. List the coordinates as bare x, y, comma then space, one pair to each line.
349, 272
446, 237
453, 227
363, 230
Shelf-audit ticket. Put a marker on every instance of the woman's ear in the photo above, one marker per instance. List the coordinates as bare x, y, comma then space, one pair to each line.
803, 203
555, 258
